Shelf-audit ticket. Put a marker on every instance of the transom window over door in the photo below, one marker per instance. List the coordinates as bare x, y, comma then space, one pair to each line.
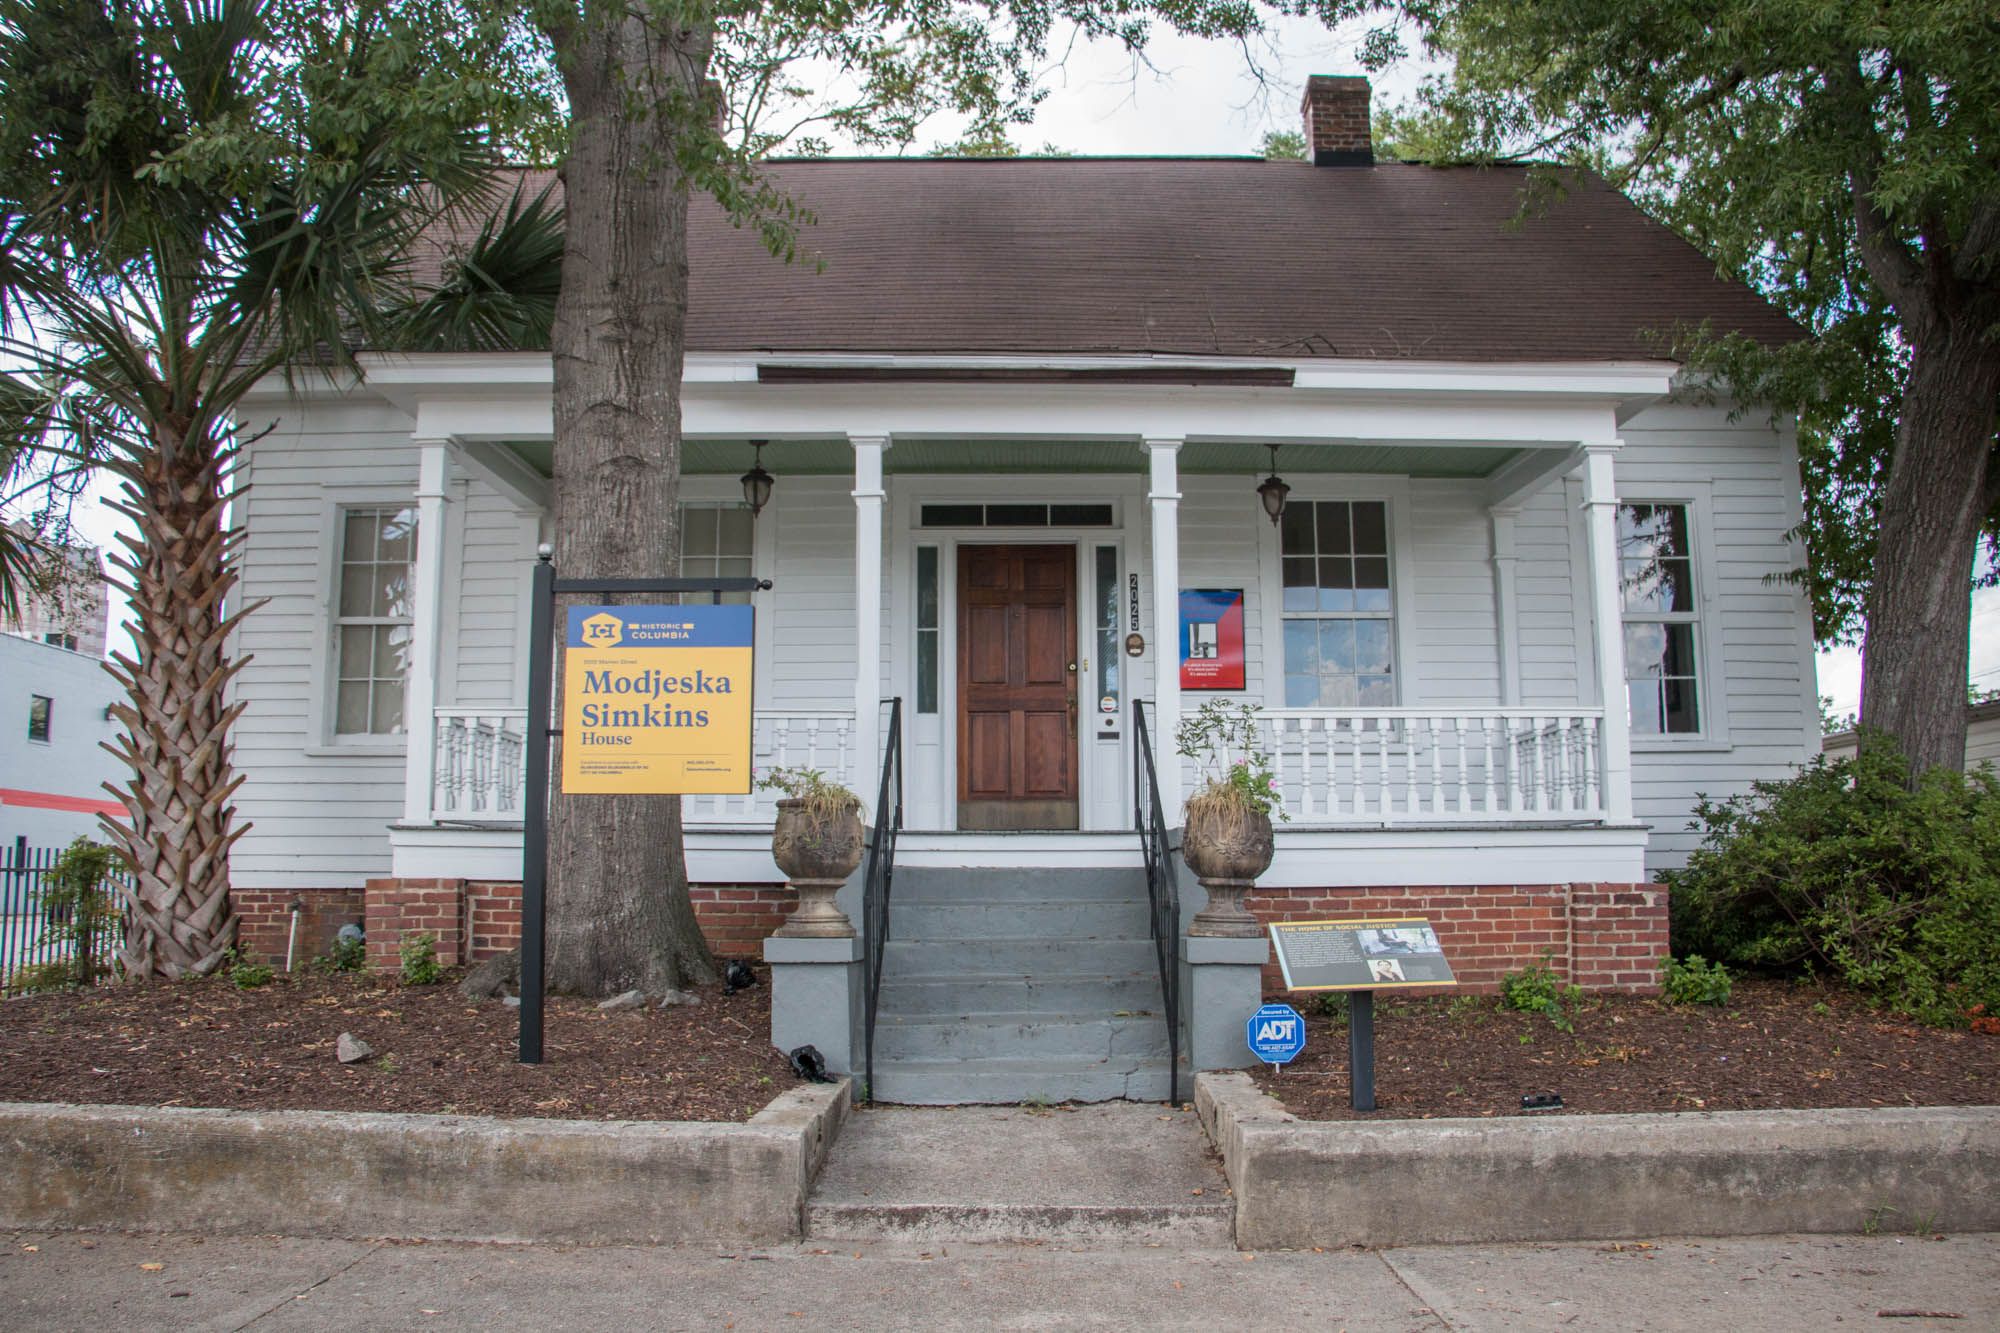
377, 549
1338, 615
1657, 595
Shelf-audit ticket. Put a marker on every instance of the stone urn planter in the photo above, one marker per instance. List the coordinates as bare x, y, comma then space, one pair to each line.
1227, 844
817, 843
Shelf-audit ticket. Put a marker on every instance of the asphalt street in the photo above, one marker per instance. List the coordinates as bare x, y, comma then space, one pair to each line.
99, 1281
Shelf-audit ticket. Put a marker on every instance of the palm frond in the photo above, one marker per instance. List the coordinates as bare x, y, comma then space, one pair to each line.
499, 294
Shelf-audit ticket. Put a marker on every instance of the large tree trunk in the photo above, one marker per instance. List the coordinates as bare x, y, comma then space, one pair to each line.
1913, 672
179, 825
619, 914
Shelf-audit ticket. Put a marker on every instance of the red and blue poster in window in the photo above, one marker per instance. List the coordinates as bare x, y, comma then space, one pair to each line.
1211, 638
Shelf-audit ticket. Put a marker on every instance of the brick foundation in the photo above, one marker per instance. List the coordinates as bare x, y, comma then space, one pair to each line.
266, 920
1602, 937
738, 918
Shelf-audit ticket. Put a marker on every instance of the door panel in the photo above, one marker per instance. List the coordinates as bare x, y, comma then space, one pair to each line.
1017, 687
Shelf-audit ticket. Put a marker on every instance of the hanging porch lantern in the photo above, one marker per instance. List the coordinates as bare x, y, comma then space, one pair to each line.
757, 482
1272, 492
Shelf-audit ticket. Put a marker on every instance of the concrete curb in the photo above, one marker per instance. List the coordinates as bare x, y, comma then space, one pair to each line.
324, 1173
1732, 1173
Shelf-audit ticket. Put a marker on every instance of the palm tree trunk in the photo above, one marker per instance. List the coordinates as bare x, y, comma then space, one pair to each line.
179, 825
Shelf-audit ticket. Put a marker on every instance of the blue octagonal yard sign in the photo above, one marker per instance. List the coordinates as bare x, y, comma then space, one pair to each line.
1276, 1033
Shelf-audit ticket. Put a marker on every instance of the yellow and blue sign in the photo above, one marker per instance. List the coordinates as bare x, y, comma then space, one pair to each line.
656, 699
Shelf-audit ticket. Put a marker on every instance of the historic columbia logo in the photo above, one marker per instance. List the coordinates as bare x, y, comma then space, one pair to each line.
605, 631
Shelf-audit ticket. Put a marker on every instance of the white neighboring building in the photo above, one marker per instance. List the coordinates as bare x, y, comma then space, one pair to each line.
76, 615
53, 721
1982, 737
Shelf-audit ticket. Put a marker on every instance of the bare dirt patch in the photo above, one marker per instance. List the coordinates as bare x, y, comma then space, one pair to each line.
1775, 1045
205, 1043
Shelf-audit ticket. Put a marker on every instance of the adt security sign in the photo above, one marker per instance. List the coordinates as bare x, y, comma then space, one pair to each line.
1276, 1034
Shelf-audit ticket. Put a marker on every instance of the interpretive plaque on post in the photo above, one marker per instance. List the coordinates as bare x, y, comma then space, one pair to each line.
1360, 955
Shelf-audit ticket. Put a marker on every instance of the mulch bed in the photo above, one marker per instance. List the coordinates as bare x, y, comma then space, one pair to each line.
205, 1043
1775, 1045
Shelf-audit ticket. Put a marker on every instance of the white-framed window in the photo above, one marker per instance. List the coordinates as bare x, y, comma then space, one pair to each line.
1660, 606
41, 709
372, 615
1337, 608
718, 541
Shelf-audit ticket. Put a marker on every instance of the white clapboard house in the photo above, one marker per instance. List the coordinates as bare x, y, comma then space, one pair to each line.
1517, 611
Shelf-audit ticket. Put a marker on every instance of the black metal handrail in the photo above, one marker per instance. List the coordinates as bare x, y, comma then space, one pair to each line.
881, 871
1149, 821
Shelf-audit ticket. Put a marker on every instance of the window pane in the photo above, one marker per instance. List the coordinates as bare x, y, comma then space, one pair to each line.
1371, 529
397, 542
1017, 516
351, 708
392, 651
1377, 691
927, 587
927, 685
358, 542
697, 531
1678, 695
1336, 584
39, 709
1301, 691
1679, 659
1371, 646
1647, 711
386, 716
1371, 584
392, 592
355, 584
735, 534
1656, 585
356, 657
1296, 530
1337, 692
1080, 516
953, 516
1301, 593
733, 567
1645, 650
1107, 624
1302, 650
1334, 538
1336, 647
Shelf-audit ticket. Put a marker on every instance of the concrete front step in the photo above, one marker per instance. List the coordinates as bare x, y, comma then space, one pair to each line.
1001, 1082
1107, 1174
1023, 956
974, 995
1192, 1225
985, 918
1000, 1036
924, 884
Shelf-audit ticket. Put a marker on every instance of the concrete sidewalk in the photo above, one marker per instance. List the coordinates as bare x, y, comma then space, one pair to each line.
82, 1281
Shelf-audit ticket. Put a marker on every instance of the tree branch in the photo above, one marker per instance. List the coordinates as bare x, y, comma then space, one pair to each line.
1895, 269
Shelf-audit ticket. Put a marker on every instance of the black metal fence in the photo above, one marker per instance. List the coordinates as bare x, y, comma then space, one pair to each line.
34, 931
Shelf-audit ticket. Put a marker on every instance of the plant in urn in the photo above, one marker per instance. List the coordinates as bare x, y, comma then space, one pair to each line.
1227, 841
817, 843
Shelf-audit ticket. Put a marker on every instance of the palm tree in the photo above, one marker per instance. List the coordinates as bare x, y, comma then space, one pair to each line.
195, 195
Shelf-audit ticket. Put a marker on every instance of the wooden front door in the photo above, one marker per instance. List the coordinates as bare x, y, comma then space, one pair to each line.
1017, 687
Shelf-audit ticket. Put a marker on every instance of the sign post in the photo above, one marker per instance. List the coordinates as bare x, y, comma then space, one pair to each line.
1360, 957
656, 700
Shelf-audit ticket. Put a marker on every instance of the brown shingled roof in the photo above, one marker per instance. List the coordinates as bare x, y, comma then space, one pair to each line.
1229, 257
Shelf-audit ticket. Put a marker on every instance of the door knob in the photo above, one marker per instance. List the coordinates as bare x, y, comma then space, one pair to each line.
1072, 668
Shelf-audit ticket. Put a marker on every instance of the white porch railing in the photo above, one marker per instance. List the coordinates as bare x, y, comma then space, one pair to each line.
1500, 765
480, 773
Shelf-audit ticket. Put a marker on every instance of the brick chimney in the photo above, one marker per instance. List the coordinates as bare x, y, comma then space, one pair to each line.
1337, 130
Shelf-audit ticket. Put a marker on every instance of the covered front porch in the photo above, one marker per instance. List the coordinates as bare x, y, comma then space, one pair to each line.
928, 520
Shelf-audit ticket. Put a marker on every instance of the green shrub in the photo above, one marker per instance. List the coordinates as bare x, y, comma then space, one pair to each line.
1536, 989
344, 956
420, 962
1331, 1004
1693, 980
1850, 868
80, 911
246, 975
38, 977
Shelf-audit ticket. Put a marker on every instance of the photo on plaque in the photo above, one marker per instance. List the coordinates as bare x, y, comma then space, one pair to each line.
1360, 955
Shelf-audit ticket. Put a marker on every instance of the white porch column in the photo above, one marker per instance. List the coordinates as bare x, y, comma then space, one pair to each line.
1505, 608
1600, 499
1165, 495
868, 497
426, 628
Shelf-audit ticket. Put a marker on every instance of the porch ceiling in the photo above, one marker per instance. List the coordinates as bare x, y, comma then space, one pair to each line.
833, 457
